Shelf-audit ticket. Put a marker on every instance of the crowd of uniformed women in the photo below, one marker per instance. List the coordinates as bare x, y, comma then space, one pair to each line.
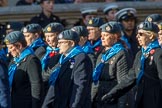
114, 64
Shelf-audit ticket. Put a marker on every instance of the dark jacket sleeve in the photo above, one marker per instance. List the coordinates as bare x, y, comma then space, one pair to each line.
158, 61
82, 76
34, 71
126, 82
123, 65
4, 88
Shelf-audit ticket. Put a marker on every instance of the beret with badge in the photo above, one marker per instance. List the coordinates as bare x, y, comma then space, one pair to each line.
53, 27
32, 28
16, 26
111, 27
69, 35
81, 31
125, 14
148, 26
14, 37
154, 18
110, 7
95, 22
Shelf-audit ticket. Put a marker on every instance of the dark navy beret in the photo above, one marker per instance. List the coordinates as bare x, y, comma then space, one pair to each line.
111, 27
16, 26
81, 31
109, 7
32, 28
14, 37
53, 27
95, 22
125, 13
69, 35
149, 26
154, 18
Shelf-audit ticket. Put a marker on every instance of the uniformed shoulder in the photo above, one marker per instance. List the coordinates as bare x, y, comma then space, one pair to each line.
40, 51
35, 18
139, 53
81, 55
55, 18
122, 53
158, 51
30, 57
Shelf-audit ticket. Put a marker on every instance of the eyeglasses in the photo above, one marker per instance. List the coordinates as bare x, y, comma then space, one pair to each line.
140, 33
62, 42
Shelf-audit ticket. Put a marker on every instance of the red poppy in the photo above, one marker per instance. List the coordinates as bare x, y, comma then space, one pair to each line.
52, 54
152, 51
97, 49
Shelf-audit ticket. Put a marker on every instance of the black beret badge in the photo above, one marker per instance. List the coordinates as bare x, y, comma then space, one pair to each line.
49, 29
60, 36
108, 28
160, 26
90, 22
7, 42
128, 13
149, 19
141, 26
25, 30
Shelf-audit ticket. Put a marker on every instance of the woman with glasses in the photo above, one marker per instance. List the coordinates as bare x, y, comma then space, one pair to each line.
146, 72
112, 65
70, 81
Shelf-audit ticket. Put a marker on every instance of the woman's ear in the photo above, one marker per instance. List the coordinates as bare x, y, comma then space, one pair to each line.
72, 43
151, 36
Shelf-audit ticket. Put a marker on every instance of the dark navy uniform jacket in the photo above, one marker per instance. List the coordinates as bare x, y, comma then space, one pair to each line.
149, 90
42, 20
27, 84
113, 71
73, 85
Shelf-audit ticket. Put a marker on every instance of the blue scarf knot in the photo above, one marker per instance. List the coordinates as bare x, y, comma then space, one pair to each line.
145, 52
73, 52
98, 43
105, 57
37, 43
87, 48
45, 59
17, 60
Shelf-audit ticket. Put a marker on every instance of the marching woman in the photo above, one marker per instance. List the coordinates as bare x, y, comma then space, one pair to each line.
146, 72
112, 65
24, 73
70, 82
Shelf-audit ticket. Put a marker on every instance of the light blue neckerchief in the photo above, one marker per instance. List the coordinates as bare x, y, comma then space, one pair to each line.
87, 48
13, 67
75, 51
37, 43
98, 43
46, 57
152, 45
105, 57
126, 41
